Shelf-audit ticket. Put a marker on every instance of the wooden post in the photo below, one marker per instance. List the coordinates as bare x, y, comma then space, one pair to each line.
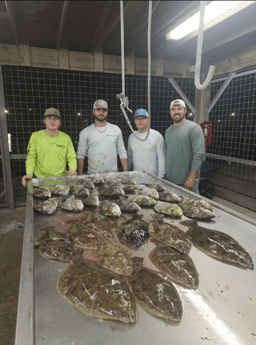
64, 58
186, 69
159, 67
202, 98
98, 57
131, 63
24, 55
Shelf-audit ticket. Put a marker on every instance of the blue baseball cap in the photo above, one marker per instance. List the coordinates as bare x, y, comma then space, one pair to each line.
140, 112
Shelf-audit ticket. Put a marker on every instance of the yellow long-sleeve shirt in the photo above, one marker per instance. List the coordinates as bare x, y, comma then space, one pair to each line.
48, 154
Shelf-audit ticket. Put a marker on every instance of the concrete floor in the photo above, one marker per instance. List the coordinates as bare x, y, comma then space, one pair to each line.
235, 207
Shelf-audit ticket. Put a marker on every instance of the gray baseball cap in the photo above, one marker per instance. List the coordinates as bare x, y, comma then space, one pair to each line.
100, 103
52, 111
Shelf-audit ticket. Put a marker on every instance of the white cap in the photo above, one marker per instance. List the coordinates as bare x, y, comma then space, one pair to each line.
177, 103
100, 104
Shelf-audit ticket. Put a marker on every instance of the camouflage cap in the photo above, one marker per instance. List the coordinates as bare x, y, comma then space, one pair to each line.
52, 111
100, 103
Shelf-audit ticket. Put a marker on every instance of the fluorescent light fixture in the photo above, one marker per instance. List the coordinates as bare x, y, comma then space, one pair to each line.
215, 12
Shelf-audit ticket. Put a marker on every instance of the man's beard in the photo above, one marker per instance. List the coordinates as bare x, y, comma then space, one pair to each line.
179, 119
101, 119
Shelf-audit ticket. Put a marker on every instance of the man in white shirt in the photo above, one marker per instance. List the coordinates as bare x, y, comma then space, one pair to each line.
101, 142
148, 155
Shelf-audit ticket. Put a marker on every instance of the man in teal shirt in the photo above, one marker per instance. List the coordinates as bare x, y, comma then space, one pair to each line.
49, 150
185, 149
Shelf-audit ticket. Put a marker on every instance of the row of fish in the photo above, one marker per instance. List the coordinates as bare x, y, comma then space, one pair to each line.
74, 199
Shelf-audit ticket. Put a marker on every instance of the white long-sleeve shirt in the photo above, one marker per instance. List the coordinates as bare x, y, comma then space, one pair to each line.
149, 155
101, 146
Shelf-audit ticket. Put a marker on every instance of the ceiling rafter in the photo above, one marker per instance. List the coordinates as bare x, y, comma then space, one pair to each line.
62, 23
10, 9
104, 33
102, 21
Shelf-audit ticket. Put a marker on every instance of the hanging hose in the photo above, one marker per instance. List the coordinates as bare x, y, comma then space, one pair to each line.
199, 53
124, 100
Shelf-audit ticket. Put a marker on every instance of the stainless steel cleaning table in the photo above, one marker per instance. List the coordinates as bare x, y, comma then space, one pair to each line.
221, 311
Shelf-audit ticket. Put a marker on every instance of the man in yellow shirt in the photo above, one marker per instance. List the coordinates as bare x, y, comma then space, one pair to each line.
49, 150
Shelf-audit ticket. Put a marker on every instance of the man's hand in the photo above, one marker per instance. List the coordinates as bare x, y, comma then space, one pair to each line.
71, 172
190, 185
24, 180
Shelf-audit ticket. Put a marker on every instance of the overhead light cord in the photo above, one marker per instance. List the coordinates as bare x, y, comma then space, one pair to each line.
124, 100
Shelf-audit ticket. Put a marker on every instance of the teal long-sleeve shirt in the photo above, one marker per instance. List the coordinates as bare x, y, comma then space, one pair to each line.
48, 155
184, 151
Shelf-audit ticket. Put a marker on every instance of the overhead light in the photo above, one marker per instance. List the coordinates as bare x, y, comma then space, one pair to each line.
215, 12
6, 111
233, 114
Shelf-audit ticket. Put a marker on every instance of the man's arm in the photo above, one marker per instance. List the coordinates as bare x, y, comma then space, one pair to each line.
71, 158
161, 156
80, 166
124, 162
81, 152
30, 161
129, 154
198, 147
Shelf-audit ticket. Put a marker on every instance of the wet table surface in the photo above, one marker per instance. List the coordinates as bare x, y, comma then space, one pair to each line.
221, 311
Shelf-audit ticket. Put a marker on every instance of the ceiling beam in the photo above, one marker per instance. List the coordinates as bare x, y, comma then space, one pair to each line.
62, 23
101, 23
11, 13
104, 33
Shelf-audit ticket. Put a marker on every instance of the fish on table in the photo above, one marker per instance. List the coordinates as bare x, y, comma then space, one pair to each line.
219, 245
134, 232
97, 292
157, 295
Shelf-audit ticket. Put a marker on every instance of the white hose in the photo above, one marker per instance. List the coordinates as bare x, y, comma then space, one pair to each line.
123, 99
199, 53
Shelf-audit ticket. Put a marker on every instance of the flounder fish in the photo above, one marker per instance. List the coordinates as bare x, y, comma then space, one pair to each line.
142, 200
97, 180
158, 187
52, 245
82, 238
42, 193
176, 266
92, 200
128, 206
169, 234
220, 246
156, 295
134, 232
97, 224
110, 209
195, 212
97, 292
61, 190
129, 188
72, 205
79, 191
87, 184
129, 181
112, 192
169, 209
114, 257
153, 193
46, 207
186, 201
169, 197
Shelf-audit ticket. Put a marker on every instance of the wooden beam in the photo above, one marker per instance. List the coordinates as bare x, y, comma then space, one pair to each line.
64, 59
10, 9
106, 31
242, 60
62, 23
24, 55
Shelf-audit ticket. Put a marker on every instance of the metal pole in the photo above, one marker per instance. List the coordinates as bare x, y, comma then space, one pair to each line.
5, 149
